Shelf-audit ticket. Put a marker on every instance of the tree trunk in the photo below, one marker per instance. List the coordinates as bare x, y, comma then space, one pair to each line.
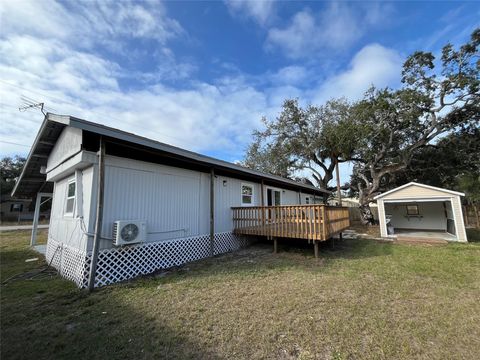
366, 215
475, 209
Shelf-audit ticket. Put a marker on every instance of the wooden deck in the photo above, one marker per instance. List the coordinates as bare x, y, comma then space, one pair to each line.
311, 222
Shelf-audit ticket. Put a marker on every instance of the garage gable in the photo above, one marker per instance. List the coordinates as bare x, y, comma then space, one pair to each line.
414, 190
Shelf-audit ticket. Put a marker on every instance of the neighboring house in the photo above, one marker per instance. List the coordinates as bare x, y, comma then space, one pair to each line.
15, 209
177, 203
418, 210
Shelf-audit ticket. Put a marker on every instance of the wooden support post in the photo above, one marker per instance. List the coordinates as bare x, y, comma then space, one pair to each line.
315, 248
212, 211
36, 216
275, 245
98, 215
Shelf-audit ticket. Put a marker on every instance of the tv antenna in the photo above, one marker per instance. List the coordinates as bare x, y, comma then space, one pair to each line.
29, 103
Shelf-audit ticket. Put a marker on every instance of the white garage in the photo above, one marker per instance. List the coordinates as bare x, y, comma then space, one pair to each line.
418, 210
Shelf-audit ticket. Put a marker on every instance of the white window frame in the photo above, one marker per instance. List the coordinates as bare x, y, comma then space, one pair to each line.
252, 196
74, 197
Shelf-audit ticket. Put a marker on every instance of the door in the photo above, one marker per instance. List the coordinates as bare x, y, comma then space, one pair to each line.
273, 199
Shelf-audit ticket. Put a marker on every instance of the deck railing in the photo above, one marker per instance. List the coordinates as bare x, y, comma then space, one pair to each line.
313, 222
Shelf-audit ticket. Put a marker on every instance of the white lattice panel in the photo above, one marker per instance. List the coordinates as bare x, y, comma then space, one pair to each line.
70, 262
127, 262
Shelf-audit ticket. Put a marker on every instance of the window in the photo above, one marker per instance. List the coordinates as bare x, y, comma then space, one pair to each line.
412, 210
17, 207
70, 197
307, 200
247, 194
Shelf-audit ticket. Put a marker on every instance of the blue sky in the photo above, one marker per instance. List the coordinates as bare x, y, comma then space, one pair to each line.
201, 75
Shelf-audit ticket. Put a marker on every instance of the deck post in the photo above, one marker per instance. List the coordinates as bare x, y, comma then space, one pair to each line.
212, 211
36, 215
275, 245
315, 248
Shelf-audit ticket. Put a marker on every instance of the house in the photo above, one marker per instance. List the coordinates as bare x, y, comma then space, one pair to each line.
124, 205
16, 210
418, 210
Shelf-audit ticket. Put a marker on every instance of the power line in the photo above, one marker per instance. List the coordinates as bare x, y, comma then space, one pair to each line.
105, 117
13, 143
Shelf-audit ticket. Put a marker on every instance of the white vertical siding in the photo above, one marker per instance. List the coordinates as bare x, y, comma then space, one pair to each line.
381, 218
290, 197
175, 202
227, 195
68, 144
168, 199
69, 229
458, 216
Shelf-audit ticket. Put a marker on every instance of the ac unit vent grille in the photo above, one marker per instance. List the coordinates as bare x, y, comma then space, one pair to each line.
127, 232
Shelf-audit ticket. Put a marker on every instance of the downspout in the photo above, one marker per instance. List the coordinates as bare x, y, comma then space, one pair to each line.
98, 215
212, 211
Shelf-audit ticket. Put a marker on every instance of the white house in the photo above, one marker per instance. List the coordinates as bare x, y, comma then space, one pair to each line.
420, 210
177, 202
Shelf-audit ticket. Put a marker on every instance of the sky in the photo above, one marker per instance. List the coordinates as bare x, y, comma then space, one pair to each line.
201, 75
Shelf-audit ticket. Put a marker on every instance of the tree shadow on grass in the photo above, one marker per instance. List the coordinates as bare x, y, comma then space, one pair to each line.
50, 319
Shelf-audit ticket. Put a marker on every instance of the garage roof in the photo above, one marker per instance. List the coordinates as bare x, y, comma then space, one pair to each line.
420, 185
32, 181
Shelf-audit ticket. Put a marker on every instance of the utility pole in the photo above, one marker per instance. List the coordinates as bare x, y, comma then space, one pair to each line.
339, 195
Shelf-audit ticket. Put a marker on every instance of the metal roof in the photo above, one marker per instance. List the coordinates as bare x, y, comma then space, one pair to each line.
32, 181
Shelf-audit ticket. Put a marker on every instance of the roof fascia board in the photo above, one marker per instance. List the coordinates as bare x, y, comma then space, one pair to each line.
30, 154
416, 200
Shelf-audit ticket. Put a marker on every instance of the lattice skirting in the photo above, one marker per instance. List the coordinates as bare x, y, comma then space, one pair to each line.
69, 262
122, 263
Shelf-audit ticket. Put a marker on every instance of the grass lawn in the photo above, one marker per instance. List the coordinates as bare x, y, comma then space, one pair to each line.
363, 300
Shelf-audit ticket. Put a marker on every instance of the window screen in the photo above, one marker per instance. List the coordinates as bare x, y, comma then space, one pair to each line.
70, 197
247, 194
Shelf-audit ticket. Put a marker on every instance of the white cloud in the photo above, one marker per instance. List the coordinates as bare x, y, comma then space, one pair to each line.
336, 28
89, 22
260, 10
202, 117
372, 65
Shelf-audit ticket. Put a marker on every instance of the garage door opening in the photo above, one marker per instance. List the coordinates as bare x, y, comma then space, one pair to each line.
421, 219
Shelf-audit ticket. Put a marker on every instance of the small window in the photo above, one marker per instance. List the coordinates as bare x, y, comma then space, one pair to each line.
412, 210
70, 198
307, 200
247, 194
17, 207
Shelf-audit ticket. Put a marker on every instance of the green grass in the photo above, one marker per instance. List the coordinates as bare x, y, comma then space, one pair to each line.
364, 300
